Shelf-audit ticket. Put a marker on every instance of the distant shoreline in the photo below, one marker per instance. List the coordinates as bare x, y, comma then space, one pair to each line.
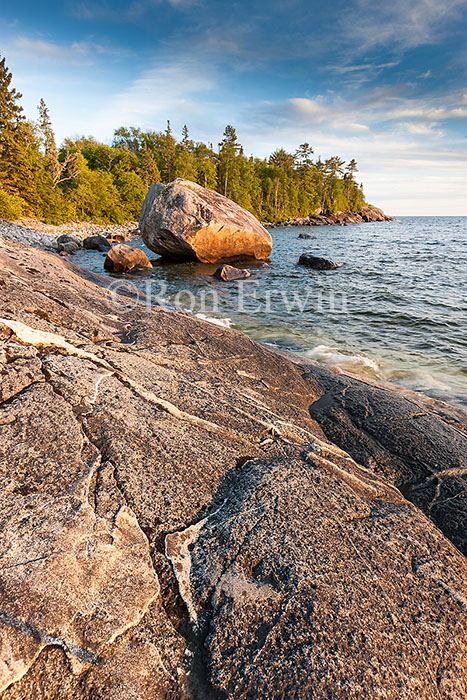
343, 218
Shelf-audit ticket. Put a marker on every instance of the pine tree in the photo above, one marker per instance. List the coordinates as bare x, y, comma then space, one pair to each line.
228, 150
303, 156
168, 152
13, 134
185, 159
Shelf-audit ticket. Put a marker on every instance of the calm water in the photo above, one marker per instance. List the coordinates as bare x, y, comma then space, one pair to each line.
397, 310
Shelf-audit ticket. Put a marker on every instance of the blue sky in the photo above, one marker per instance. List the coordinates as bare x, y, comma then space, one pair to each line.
382, 82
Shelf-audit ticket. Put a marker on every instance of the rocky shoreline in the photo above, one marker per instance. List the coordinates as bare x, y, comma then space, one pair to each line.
34, 232
343, 218
186, 514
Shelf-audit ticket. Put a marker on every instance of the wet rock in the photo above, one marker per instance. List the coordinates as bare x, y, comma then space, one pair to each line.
401, 438
99, 243
122, 258
188, 222
305, 235
68, 244
229, 273
318, 263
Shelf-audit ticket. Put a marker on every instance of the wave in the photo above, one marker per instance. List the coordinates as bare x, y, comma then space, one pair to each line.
352, 363
225, 322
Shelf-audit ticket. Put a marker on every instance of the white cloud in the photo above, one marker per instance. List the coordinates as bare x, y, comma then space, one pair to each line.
363, 67
421, 128
400, 23
77, 53
177, 90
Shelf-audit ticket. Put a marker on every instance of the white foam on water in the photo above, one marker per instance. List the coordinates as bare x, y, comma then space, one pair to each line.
351, 363
225, 322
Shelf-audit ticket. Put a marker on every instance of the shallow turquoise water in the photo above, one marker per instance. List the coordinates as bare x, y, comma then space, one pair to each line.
396, 310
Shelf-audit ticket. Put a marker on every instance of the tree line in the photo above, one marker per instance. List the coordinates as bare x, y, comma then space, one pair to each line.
89, 180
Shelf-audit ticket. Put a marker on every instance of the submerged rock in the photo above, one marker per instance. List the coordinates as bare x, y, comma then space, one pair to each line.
315, 263
188, 222
122, 258
96, 243
229, 273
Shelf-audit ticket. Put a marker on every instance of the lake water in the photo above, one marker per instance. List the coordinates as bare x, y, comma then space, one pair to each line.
396, 310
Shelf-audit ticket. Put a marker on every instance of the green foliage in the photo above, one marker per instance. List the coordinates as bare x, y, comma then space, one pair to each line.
90, 180
11, 206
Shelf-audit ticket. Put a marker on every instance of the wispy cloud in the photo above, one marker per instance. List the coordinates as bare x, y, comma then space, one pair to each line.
175, 90
76, 52
134, 12
363, 67
400, 23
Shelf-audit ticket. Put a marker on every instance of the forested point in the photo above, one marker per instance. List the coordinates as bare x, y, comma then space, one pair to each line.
88, 180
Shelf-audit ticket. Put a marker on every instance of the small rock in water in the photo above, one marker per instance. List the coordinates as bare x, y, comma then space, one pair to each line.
305, 235
229, 273
318, 263
96, 243
122, 258
68, 244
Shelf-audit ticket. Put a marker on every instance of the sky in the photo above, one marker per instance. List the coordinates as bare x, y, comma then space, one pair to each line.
382, 82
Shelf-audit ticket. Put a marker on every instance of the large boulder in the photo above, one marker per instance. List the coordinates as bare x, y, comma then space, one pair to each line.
152, 193
122, 258
189, 222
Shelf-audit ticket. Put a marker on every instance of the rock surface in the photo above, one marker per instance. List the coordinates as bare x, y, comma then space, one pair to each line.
229, 273
154, 189
188, 222
96, 243
122, 258
68, 244
175, 522
316, 263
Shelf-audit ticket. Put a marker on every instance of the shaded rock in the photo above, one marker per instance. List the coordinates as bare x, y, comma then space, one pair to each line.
305, 235
186, 221
315, 263
96, 243
401, 438
229, 273
122, 258
68, 244
154, 189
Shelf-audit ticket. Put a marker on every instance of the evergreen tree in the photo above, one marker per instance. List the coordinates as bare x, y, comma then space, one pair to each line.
185, 159
168, 154
13, 133
228, 150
